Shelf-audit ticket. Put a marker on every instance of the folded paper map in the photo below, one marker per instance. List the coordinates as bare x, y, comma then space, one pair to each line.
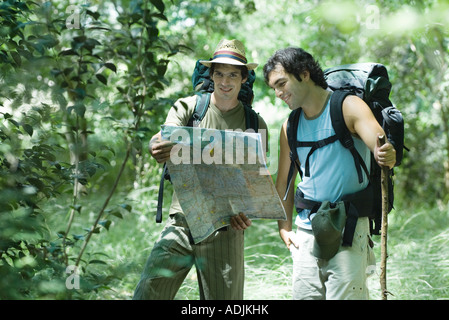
217, 174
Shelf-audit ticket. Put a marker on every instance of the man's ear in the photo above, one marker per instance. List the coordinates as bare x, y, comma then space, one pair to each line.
305, 75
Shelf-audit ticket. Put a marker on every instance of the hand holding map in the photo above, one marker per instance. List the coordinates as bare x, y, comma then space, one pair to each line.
217, 174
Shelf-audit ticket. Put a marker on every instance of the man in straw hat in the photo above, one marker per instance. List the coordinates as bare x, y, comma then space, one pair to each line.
322, 267
219, 258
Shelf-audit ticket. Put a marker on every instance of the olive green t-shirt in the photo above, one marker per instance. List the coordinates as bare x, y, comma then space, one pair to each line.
183, 109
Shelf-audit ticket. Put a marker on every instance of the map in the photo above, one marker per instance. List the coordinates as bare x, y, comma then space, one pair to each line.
217, 174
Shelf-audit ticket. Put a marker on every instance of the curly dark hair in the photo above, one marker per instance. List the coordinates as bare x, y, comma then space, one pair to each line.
296, 61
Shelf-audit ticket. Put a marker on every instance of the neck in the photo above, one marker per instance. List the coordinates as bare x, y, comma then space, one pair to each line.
315, 102
224, 105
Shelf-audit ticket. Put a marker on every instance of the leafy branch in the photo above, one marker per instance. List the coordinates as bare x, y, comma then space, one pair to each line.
138, 91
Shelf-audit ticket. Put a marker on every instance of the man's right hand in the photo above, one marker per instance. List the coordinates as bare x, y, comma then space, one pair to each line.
289, 238
159, 148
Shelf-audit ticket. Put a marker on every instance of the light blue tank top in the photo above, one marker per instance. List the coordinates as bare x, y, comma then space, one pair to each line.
332, 170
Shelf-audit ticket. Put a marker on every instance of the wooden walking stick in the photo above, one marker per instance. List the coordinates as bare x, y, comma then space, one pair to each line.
383, 246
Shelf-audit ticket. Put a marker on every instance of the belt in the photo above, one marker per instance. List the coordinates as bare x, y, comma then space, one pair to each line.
357, 205
362, 200
302, 203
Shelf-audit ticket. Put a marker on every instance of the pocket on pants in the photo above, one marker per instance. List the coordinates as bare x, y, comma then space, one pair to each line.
360, 242
304, 239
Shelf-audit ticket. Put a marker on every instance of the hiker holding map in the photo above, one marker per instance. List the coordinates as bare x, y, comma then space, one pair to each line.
216, 250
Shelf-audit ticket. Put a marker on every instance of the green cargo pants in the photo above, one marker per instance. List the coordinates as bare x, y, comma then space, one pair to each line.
218, 261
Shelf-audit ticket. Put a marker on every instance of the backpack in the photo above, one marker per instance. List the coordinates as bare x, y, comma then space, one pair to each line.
203, 87
370, 82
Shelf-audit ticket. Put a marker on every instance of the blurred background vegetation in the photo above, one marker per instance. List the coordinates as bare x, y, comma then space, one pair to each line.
85, 84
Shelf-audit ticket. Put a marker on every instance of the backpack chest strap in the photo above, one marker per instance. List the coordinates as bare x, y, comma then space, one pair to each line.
314, 145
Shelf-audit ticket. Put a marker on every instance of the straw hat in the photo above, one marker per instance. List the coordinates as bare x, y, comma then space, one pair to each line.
230, 52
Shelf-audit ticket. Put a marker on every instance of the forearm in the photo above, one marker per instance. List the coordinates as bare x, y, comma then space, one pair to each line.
282, 183
360, 121
287, 224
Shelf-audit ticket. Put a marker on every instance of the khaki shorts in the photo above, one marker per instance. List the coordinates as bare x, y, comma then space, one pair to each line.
341, 278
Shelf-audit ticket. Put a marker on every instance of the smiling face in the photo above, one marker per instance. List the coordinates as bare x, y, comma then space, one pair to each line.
227, 82
287, 87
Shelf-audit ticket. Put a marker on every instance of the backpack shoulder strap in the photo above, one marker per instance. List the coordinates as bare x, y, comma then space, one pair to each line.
342, 132
338, 121
251, 119
292, 129
160, 196
202, 104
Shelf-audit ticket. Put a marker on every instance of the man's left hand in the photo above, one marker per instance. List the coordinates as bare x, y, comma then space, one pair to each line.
240, 222
385, 155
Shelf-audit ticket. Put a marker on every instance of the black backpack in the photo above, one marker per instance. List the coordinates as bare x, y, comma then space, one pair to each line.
370, 82
203, 87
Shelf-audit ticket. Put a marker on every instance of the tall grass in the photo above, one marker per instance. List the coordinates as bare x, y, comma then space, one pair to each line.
268, 266
418, 262
417, 269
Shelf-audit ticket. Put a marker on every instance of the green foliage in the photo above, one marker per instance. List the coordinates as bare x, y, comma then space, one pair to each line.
84, 86
62, 85
413, 46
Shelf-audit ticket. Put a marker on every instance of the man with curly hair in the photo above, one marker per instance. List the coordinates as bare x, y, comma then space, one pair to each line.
298, 80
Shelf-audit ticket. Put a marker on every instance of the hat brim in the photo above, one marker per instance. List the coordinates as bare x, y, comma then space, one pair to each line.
208, 63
